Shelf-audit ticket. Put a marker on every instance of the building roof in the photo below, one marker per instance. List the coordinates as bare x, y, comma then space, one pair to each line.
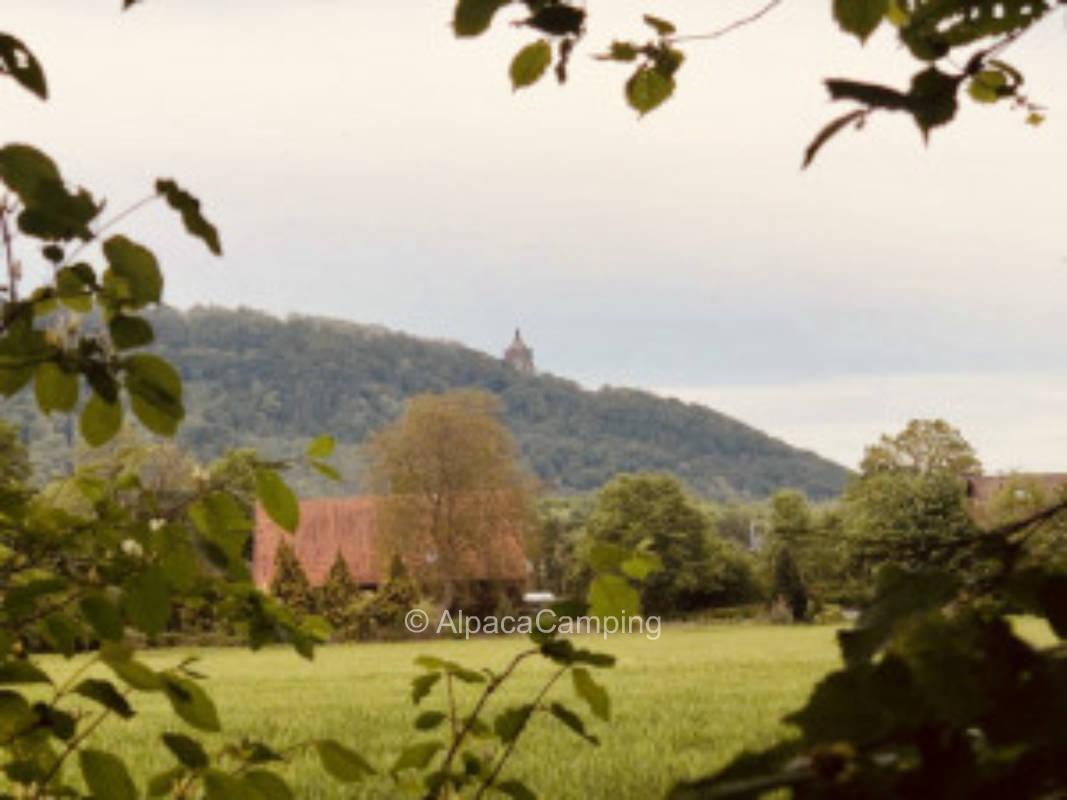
984, 490
349, 526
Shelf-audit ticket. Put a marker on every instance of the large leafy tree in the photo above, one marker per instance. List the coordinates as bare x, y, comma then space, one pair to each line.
451, 488
925, 446
909, 504
653, 510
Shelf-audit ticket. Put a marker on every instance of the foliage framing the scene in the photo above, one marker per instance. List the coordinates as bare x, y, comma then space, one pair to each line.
958, 43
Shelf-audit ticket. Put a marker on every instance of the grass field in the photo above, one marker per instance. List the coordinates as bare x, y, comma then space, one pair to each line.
682, 706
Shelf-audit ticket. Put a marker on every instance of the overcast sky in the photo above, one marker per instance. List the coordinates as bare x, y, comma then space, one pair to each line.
362, 163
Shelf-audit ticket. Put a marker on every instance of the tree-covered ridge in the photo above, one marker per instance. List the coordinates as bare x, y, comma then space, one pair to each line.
255, 380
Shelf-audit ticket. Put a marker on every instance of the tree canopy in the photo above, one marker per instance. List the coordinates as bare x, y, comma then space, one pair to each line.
451, 486
925, 446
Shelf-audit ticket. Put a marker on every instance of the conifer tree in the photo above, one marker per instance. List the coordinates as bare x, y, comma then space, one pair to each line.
338, 594
290, 584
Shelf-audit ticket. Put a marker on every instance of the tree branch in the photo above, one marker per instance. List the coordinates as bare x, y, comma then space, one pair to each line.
733, 26
489, 781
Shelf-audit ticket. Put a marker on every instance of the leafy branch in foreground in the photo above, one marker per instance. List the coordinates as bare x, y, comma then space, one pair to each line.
463, 753
92, 565
972, 32
938, 697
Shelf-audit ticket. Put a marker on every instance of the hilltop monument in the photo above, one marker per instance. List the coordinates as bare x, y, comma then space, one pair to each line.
519, 356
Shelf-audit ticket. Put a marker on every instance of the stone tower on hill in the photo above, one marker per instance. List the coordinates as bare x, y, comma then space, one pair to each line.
519, 355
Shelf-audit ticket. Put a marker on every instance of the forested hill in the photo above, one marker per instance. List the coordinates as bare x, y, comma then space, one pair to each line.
252, 379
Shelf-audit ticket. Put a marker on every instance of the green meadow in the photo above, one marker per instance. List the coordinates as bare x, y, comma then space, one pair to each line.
681, 706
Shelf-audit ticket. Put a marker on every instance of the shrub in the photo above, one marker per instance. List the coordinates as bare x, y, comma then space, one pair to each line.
291, 585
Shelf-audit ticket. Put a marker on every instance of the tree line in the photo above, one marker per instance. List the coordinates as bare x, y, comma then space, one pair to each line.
267, 383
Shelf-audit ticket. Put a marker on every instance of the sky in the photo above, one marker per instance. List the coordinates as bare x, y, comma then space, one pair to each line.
363, 164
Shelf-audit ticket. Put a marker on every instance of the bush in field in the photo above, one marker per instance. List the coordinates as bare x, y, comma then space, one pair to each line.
700, 570
653, 509
732, 574
380, 614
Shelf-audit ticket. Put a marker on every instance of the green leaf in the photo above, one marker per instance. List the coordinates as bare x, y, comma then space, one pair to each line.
189, 208
593, 693
148, 600
417, 756
21, 672
321, 447
647, 89
278, 499
530, 63
860, 17
613, 596
187, 750
105, 693
562, 651
61, 632
219, 785
509, 723
50, 212
870, 94
516, 790
13, 378
62, 724
133, 673
73, 290
22, 598
155, 392
106, 776
932, 98
342, 763
572, 721
557, 19
25, 169
421, 685
326, 470
133, 277
21, 64
269, 784
428, 720
660, 26
259, 753
220, 515
127, 331
473, 17
99, 421
620, 51
190, 702
55, 388
899, 595
102, 615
